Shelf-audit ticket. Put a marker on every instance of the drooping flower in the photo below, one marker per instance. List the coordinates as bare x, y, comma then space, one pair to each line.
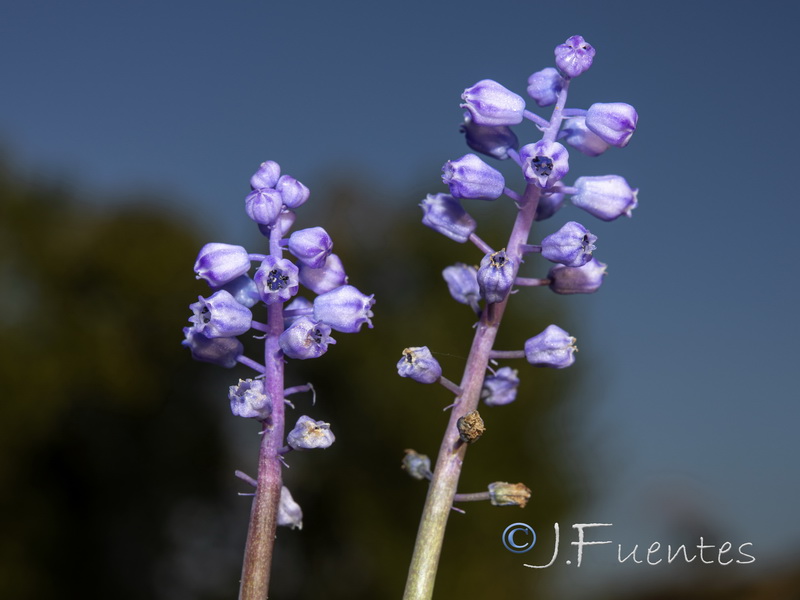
495, 276
572, 245
443, 213
305, 338
309, 434
489, 103
614, 122
220, 263
607, 197
418, 364
470, 177
220, 315
249, 399
345, 309
577, 280
553, 348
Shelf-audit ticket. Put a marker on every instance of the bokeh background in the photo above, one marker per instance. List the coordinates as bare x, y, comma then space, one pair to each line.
128, 132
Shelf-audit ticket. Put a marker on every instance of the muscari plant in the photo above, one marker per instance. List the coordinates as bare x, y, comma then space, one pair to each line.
491, 110
295, 327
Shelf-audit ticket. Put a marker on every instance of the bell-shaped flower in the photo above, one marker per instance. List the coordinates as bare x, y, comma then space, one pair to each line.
496, 276
549, 204
572, 245
289, 512
418, 364
328, 277
249, 399
470, 177
244, 290
489, 103
266, 176
263, 206
553, 348
577, 134
220, 263
462, 281
220, 316
219, 351
345, 309
276, 279
443, 213
574, 56
544, 163
577, 280
309, 434
614, 122
305, 338
492, 141
292, 192
311, 246
500, 388
544, 86
605, 197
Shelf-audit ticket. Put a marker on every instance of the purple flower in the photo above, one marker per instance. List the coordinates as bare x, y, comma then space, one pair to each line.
544, 86
549, 204
495, 276
470, 177
306, 339
345, 309
614, 122
309, 434
553, 348
577, 135
220, 263
489, 103
544, 163
462, 281
263, 206
219, 351
606, 197
572, 245
292, 192
289, 512
443, 213
266, 176
325, 279
574, 56
220, 316
500, 388
244, 290
300, 306
249, 399
418, 364
276, 279
311, 246
577, 280
492, 141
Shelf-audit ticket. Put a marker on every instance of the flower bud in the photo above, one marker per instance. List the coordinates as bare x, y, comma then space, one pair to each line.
544, 86
220, 316
244, 291
549, 204
311, 246
220, 263
489, 103
219, 351
554, 348
495, 276
418, 364
605, 197
302, 306
305, 339
276, 279
572, 245
292, 192
443, 213
502, 493
462, 281
249, 399
574, 56
417, 465
289, 512
345, 309
577, 280
544, 163
263, 206
325, 279
614, 122
500, 388
492, 141
578, 135
309, 434
266, 176
470, 177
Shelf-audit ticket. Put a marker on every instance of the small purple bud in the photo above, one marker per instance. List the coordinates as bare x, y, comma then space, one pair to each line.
614, 122
574, 56
300, 304
263, 206
544, 86
325, 279
443, 213
462, 281
544, 163
500, 388
470, 177
577, 135
219, 351
220, 316
489, 103
345, 309
244, 291
311, 246
306, 339
266, 176
577, 280
220, 263
549, 204
292, 192
289, 512
276, 279
605, 197
554, 348
492, 141
418, 364
284, 222
495, 276
249, 399
309, 434
572, 245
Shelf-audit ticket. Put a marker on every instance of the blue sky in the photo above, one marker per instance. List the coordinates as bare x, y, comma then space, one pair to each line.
689, 348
